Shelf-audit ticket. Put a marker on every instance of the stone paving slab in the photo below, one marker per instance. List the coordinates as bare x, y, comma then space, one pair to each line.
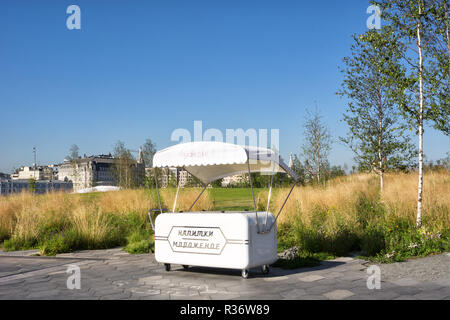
115, 274
338, 294
23, 253
21, 265
311, 278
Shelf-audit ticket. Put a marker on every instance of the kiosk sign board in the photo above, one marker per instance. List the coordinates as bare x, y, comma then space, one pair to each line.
204, 240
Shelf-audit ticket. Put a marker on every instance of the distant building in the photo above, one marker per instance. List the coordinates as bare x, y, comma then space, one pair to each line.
291, 161
178, 175
10, 186
37, 173
95, 171
88, 171
4, 176
167, 174
183, 177
234, 180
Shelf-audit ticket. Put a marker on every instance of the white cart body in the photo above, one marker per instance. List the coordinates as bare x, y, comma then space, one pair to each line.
235, 240
211, 239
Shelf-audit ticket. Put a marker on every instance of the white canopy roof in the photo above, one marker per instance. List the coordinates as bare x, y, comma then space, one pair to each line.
211, 160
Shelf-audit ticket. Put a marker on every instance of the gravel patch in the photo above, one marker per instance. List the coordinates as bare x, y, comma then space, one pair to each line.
430, 268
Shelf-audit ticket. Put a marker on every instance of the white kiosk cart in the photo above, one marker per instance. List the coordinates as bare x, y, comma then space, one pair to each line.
235, 240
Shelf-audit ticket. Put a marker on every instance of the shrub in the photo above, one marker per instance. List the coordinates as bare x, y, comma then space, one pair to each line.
140, 241
59, 243
373, 240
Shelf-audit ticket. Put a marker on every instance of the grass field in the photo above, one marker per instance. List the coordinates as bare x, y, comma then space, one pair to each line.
233, 199
347, 214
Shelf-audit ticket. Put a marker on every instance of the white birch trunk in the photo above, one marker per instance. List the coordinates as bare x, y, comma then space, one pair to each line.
420, 186
380, 141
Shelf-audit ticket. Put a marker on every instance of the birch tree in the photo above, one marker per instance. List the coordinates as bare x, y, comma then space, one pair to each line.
374, 81
412, 21
438, 36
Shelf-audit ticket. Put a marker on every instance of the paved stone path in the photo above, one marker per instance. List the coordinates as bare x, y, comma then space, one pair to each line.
114, 274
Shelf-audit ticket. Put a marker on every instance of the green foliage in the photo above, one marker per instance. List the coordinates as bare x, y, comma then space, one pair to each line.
193, 181
373, 240
429, 19
299, 169
140, 241
4, 235
263, 180
374, 82
59, 243
304, 260
14, 244
316, 146
287, 236
172, 180
340, 242
32, 185
403, 240
378, 234
125, 170
148, 151
217, 183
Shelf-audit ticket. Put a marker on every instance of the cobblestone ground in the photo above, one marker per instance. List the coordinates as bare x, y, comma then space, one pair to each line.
114, 274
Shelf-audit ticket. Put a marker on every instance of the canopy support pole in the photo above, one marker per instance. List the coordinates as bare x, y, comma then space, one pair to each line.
197, 198
268, 202
176, 197
157, 189
295, 182
253, 195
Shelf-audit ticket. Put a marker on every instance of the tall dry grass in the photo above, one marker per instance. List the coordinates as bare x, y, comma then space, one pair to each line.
340, 199
338, 196
30, 217
350, 213
400, 197
26, 215
185, 199
90, 224
125, 201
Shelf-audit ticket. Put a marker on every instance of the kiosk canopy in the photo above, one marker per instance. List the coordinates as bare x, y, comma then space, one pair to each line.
211, 160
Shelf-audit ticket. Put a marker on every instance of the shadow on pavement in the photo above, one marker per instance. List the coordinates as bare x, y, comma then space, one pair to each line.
257, 272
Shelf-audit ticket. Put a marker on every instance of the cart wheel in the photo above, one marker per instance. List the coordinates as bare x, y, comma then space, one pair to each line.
167, 265
185, 266
245, 273
265, 269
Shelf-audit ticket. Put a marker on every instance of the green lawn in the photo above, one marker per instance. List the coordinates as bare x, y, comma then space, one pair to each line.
233, 199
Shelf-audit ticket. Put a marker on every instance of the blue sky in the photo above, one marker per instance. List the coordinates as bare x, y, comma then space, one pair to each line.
140, 69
